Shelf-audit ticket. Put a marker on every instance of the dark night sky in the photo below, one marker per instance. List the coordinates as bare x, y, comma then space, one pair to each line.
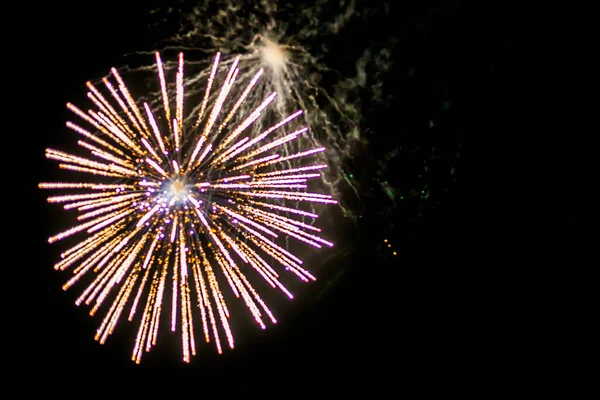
384, 313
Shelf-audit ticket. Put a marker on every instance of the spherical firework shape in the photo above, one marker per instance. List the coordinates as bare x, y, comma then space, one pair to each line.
186, 209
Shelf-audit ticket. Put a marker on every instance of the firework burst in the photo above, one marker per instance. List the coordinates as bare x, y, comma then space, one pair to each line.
182, 206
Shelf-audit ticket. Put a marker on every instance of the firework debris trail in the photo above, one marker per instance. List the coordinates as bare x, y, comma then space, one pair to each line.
290, 55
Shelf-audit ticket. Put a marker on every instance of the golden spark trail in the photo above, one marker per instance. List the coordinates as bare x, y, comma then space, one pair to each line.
163, 90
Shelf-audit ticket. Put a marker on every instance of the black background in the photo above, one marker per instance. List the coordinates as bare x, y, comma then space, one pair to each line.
419, 311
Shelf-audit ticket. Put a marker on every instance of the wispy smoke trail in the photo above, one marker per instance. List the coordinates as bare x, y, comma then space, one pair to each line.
290, 43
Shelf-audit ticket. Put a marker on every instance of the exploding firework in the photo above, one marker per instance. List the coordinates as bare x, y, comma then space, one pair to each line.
182, 203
